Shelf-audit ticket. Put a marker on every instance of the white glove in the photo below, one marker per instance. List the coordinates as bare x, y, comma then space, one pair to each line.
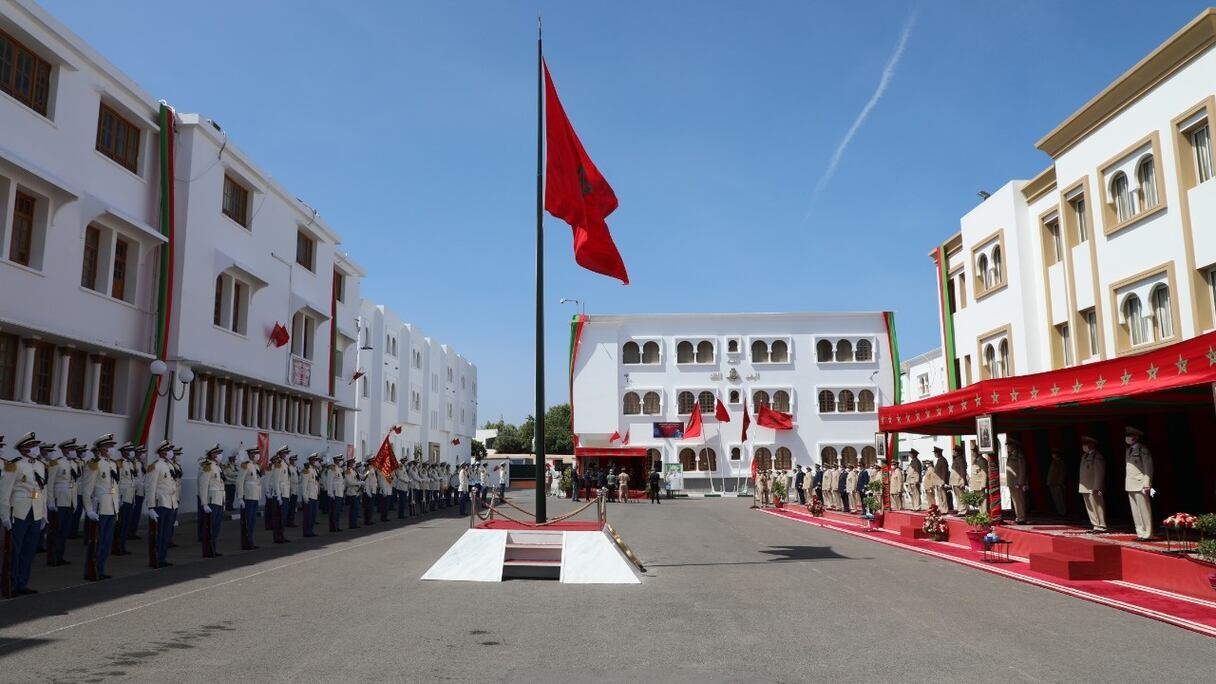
92, 515
51, 507
8, 524
1025, 488
43, 525
152, 514
206, 508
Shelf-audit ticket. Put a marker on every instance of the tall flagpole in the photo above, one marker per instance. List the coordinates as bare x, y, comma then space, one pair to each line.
539, 433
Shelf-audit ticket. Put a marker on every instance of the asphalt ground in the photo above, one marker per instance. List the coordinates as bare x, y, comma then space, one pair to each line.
729, 595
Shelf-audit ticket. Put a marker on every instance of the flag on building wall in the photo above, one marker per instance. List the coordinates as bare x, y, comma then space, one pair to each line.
694, 424
616, 434
747, 421
577, 193
720, 411
456, 442
767, 417
625, 442
355, 378
278, 336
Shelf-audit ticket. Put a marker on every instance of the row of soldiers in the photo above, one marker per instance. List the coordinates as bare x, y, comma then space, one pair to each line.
47, 488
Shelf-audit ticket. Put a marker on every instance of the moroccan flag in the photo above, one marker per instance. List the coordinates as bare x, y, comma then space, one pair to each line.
278, 336
766, 417
615, 436
263, 449
747, 421
694, 424
576, 193
720, 412
354, 378
625, 442
456, 442
385, 461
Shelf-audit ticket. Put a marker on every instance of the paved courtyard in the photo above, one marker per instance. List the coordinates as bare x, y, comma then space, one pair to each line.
729, 595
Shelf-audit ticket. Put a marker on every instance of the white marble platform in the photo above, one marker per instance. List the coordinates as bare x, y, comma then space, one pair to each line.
476, 557
592, 558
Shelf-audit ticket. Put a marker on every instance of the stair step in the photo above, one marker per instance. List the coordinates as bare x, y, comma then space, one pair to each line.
1071, 567
545, 547
535, 563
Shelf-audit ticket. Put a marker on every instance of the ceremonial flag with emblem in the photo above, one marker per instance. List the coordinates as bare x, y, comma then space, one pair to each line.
767, 417
577, 193
278, 336
720, 411
694, 424
385, 460
263, 449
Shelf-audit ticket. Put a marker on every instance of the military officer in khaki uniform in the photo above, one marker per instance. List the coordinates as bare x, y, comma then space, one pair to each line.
912, 480
211, 498
1016, 479
335, 485
935, 479
1055, 481
897, 488
850, 489
1091, 483
1138, 482
958, 478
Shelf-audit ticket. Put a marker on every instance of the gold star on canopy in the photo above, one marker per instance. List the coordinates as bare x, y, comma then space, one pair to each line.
963, 404
1101, 382
899, 419
1055, 389
1211, 356
1126, 377
1034, 392
995, 397
949, 408
1181, 363
1013, 395
939, 410
978, 401
1152, 371
1076, 386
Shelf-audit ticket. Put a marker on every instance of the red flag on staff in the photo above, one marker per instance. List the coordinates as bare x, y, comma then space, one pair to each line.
263, 449
278, 336
694, 424
625, 442
720, 411
385, 460
616, 434
354, 378
766, 417
577, 193
747, 421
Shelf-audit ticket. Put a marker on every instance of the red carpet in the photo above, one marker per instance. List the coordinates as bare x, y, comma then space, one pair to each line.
564, 526
1196, 615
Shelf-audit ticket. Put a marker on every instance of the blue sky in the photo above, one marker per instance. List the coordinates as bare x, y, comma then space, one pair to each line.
411, 127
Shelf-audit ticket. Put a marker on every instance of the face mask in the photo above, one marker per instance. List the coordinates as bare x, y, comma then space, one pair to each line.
1086, 448
1130, 440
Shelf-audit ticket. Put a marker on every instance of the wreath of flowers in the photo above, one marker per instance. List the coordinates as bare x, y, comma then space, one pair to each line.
935, 525
1179, 521
815, 507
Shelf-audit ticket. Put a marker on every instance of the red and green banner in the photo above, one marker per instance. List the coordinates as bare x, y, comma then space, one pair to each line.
888, 318
576, 336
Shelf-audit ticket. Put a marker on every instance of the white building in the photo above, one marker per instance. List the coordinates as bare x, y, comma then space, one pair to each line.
1109, 251
416, 383
921, 377
829, 370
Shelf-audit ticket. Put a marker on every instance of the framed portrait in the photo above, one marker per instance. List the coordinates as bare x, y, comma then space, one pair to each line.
983, 434
880, 444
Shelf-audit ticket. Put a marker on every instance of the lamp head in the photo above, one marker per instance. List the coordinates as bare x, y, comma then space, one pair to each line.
159, 368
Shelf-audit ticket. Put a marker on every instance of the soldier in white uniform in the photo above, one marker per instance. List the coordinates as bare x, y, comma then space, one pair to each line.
1016, 479
310, 489
61, 499
293, 482
78, 461
23, 510
160, 485
230, 471
401, 488
278, 493
1138, 482
369, 488
384, 493
249, 489
211, 499
1091, 482
353, 492
102, 504
958, 478
138, 494
335, 484
128, 472
417, 505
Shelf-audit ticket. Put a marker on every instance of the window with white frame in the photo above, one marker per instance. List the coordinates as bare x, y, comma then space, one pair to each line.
779, 352
865, 351
844, 402
733, 397
232, 300
922, 385
784, 459
684, 352
763, 458
732, 345
865, 401
705, 351
650, 353
685, 402
827, 401
827, 456
1146, 175
1201, 148
1133, 316
695, 351
824, 350
631, 353
736, 453
1125, 206
844, 351
760, 351
27, 229
303, 335
984, 275
631, 404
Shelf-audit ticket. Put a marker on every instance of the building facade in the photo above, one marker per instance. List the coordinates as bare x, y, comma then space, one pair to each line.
921, 377
831, 371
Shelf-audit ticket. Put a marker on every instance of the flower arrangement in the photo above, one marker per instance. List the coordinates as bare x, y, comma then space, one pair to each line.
1180, 521
778, 488
935, 524
815, 507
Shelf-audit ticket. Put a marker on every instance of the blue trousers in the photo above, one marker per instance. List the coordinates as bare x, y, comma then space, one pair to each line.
25, 545
310, 516
402, 501
61, 535
217, 519
291, 509
251, 519
198, 519
121, 523
352, 504
335, 513
74, 525
464, 503
165, 517
132, 530
105, 540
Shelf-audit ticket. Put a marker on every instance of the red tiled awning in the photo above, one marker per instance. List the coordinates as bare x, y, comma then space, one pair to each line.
1179, 373
622, 452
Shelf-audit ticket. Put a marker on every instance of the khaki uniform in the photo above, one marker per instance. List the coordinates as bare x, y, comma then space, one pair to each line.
897, 489
160, 485
1055, 484
211, 484
935, 481
912, 484
978, 481
1016, 480
310, 487
850, 488
1092, 480
100, 491
1138, 469
958, 480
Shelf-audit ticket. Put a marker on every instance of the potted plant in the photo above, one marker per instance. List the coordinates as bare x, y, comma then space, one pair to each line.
815, 507
778, 493
567, 480
1178, 532
1205, 525
935, 524
977, 518
873, 504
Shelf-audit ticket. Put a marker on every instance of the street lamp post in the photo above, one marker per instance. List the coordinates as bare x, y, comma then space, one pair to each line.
185, 376
359, 347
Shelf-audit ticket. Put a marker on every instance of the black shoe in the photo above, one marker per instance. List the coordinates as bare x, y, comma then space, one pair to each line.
165, 564
134, 536
172, 545
26, 592
309, 535
217, 554
64, 562
104, 577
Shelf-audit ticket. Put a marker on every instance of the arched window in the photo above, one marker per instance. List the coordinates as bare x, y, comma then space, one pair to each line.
865, 350
849, 454
705, 351
844, 350
781, 401
684, 352
844, 402
736, 454
707, 460
827, 456
780, 352
1146, 174
688, 460
869, 457
763, 458
734, 396
632, 404
1163, 315
865, 401
732, 346
651, 404
785, 460
650, 352
656, 458
685, 402
823, 350
996, 265
827, 401
759, 351
990, 361
760, 397
1135, 320
1006, 371
707, 401
982, 275
1122, 197
631, 353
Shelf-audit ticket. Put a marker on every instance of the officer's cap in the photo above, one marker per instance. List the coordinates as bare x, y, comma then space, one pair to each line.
1133, 431
1014, 440
164, 447
215, 449
283, 451
127, 446
105, 441
292, 458
252, 451
1086, 439
29, 441
914, 452
141, 448
937, 450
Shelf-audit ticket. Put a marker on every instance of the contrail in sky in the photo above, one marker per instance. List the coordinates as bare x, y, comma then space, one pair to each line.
887, 73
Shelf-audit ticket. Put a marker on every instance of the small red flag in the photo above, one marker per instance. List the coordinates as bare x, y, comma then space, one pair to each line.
264, 449
354, 378
576, 193
767, 417
615, 436
385, 460
694, 424
625, 442
755, 467
278, 336
747, 421
720, 412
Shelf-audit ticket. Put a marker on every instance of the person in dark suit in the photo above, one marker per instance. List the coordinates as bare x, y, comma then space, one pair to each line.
656, 482
863, 479
799, 478
576, 483
842, 486
817, 481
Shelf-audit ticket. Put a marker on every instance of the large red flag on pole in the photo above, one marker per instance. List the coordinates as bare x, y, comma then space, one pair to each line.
747, 421
720, 411
777, 420
694, 424
385, 460
577, 193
